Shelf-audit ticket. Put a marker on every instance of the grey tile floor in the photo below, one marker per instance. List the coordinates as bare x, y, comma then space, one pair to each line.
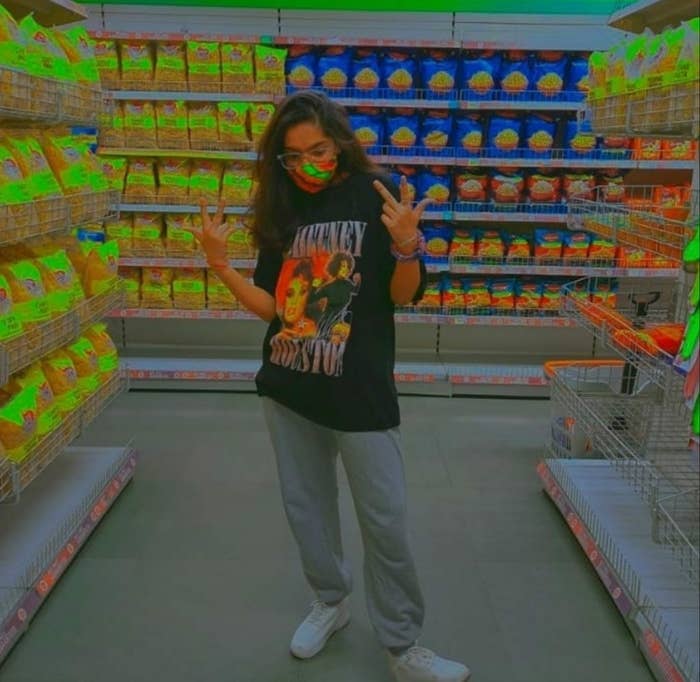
193, 576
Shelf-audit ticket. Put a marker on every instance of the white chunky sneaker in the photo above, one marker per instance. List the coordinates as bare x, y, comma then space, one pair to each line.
422, 665
311, 636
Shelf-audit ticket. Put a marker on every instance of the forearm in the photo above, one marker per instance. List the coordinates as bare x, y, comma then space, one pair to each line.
405, 282
252, 298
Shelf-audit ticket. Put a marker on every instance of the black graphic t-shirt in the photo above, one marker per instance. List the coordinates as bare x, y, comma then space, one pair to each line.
329, 353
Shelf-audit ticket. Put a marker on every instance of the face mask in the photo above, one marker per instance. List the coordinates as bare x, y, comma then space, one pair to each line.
313, 177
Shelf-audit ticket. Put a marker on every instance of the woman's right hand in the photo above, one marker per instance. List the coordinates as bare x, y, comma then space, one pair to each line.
214, 235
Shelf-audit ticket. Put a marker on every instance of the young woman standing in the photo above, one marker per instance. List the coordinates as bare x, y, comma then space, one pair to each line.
321, 203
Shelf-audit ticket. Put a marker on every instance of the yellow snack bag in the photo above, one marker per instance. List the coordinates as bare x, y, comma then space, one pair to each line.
27, 292
140, 182
30, 157
156, 288
61, 282
140, 125
203, 66
131, 282
237, 183
80, 51
101, 269
87, 365
62, 376
48, 417
121, 230
173, 181
112, 135
203, 118
10, 322
240, 243
260, 116
70, 167
269, 69
234, 125
19, 422
178, 240
137, 65
16, 213
219, 297
189, 289
148, 234
237, 67
171, 69
12, 46
107, 57
45, 57
114, 169
171, 123
205, 181
105, 349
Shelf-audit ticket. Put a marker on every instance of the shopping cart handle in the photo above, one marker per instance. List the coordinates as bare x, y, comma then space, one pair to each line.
643, 301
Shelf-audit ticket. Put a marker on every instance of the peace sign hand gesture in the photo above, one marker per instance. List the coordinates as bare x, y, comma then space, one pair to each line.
400, 217
214, 235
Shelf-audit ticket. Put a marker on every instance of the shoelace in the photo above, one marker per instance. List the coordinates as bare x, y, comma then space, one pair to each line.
319, 613
419, 657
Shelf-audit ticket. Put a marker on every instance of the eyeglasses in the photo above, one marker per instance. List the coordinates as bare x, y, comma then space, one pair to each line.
292, 160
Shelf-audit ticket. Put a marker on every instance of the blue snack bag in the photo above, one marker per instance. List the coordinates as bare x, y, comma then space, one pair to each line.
402, 128
436, 131
515, 76
505, 131
434, 182
438, 238
549, 72
577, 78
577, 141
368, 126
469, 135
540, 132
365, 71
480, 73
301, 67
334, 66
399, 74
438, 71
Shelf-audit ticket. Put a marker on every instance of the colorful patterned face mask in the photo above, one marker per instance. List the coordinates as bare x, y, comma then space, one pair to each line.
313, 177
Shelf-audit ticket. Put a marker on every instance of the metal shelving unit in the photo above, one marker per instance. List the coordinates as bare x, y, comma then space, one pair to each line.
79, 488
22, 351
449, 156
619, 466
52, 495
49, 102
21, 222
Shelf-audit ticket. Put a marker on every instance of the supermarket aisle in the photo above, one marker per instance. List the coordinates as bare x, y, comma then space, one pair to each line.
193, 576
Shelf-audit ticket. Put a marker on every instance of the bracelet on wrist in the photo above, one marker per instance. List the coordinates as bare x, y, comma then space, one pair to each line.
414, 255
218, 265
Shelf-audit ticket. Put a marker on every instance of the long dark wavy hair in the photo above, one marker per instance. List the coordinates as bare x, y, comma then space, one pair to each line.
278, 201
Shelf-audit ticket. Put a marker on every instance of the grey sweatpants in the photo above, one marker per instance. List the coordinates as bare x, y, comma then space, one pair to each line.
306, 460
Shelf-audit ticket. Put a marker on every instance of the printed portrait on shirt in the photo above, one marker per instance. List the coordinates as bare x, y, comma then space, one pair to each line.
314, 295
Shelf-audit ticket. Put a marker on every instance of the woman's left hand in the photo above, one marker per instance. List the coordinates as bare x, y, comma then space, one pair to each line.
401, 217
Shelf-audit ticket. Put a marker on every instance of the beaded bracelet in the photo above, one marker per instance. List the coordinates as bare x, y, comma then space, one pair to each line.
416, 254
